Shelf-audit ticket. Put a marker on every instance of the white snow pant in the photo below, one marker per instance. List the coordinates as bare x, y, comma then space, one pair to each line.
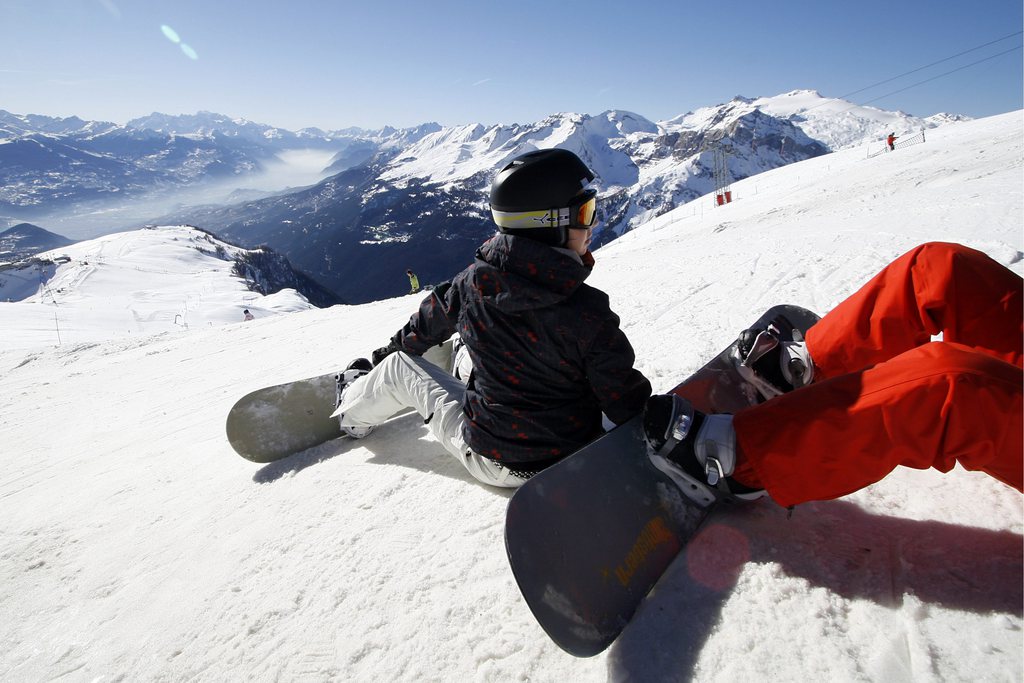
403, 381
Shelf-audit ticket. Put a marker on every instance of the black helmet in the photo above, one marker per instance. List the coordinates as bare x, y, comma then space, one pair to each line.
541, 194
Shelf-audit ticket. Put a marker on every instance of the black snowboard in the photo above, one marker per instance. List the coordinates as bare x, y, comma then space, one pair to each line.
588, 538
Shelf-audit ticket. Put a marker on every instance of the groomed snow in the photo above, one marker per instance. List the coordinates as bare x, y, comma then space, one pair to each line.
137, 546
131, 284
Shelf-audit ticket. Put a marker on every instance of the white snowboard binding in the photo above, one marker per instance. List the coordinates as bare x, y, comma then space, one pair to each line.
355, 370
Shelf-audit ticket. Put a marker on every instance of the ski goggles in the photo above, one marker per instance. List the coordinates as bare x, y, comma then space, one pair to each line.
581, 213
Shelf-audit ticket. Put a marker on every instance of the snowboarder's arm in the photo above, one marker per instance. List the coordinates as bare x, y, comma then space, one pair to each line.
432, 324
621, 390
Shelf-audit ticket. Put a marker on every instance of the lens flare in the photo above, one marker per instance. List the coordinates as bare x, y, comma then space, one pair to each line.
716, 556
171, 34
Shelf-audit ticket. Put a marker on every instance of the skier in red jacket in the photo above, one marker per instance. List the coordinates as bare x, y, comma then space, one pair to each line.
870, 390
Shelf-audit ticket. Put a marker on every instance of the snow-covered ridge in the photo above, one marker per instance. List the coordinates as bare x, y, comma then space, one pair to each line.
130, 284
465, 151
836, 122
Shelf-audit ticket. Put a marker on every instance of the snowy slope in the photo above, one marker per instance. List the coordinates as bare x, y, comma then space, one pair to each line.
141, 282
136, 546
836, 122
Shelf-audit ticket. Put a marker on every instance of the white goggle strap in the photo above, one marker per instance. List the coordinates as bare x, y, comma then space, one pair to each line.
517, 220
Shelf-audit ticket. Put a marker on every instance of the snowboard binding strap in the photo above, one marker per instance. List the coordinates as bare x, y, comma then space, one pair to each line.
671, 448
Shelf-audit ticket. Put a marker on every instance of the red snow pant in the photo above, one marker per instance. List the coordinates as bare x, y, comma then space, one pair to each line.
885, 394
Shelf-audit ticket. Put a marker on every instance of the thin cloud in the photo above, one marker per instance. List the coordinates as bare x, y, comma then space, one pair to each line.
481, 82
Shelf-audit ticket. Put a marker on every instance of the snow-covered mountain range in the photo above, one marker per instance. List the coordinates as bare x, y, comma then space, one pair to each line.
412, 198
137, 546
424, 205
48, 164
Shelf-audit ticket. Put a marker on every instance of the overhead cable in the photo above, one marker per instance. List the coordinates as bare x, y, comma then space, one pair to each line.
927, 66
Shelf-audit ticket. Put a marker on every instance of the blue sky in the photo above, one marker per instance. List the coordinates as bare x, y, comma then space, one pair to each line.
334, 64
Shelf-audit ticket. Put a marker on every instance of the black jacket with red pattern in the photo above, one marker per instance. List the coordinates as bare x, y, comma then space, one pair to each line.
547, 351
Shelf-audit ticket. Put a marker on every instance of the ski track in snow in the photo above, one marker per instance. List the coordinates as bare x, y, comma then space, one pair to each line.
135, 546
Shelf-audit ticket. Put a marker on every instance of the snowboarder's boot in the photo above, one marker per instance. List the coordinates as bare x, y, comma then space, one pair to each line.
774, 359
344, 379
697, 451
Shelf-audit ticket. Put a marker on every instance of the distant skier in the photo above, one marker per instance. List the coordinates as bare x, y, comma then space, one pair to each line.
891, 141
414, 282
246, 315
866, 392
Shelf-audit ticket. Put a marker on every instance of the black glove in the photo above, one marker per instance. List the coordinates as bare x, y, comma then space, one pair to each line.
383, 352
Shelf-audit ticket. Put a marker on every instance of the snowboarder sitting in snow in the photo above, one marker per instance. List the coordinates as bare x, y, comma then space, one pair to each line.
868, 390
547, 351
